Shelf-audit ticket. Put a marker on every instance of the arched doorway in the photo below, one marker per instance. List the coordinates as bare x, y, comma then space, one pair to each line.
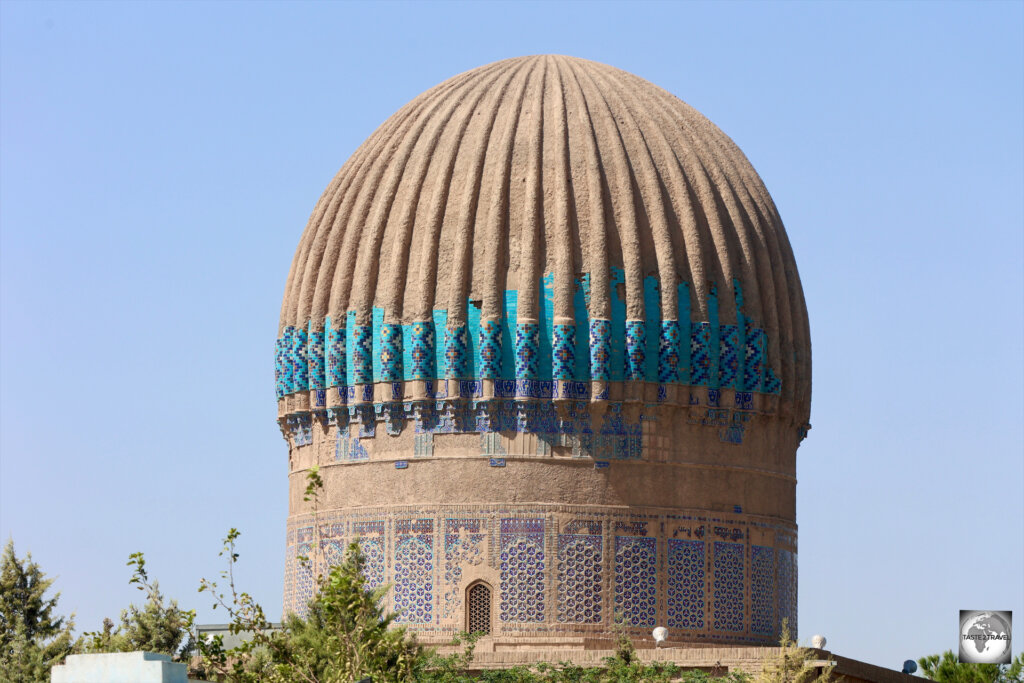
478, 608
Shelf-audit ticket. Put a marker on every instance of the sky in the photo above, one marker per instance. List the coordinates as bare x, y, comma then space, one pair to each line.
159, 161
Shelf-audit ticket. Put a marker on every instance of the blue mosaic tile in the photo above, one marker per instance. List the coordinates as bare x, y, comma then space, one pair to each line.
317, 361
772, 383
371, 543
563, 355
390, 352
362, 354
600, 350
787, 585
636, 580
686, 584
414, 571
762, 595
636, 347
728, 356
490, 349
522, 571
728, 567
668, 352
456, 352
423, 350
300, 360
527, 350
700, 354
753, 364
288, 359
463, 545
336, 363
579, 578
280, 381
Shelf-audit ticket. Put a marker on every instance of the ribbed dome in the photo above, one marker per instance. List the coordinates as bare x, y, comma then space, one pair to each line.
582, 190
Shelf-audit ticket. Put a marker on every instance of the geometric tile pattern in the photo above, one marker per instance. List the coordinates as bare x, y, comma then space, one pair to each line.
463, 544
490, 349
600, 350
280, 387
787, 590
772, 384
423, 350
728, 359
636, 580
563, 354
762, 597
668, 352
391, 352
414, 571
579, 579
362, 354
371, 544
335, 355
685, 584
728, 565
300, 361
753, 365
522, 570
700, 356
636, 346
527, 350
456, 352
316, 358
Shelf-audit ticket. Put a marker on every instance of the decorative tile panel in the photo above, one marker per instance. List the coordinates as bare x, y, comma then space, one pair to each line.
280, 374
753, 366
787, 584
336, 370
490, 349
527, 350
686, 584
463, 545
371, 543
600, 350
579, 578
300, 360
668, 352
317, 361
522, 570
762, 593
362, 354
423, 350
636, 580
456, 352
700, 354
563, 352
728, 566
390, 352
728, 356
414, 571
636, 348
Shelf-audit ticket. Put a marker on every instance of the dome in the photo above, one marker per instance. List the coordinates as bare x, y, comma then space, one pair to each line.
548, 262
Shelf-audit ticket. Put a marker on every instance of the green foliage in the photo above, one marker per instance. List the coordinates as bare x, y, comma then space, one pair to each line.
32, 637
946, 668
791, 664
157, 627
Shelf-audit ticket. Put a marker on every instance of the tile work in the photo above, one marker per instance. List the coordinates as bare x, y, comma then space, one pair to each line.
686, 584
390, 352
636, 580
580, 577
316, 358
344, 354
527, 351
522, 570
428, 557
728, 583
762, 582
563, 360
600, 350
414, 571
636, 349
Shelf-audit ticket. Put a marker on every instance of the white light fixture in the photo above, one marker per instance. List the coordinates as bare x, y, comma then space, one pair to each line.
818, 642
660, 634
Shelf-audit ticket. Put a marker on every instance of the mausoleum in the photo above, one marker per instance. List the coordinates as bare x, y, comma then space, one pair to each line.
545, 338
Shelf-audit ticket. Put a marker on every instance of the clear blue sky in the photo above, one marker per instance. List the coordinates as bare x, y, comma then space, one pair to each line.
158, 162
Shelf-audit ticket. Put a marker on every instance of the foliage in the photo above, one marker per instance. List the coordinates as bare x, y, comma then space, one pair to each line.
946, 668
32, 637
791, 663
165, 629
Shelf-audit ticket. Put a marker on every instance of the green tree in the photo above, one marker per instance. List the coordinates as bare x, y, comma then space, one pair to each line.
946, 668
791, 664
156, 627
32, 637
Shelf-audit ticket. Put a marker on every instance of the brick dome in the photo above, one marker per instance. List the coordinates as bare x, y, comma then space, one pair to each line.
549, 303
